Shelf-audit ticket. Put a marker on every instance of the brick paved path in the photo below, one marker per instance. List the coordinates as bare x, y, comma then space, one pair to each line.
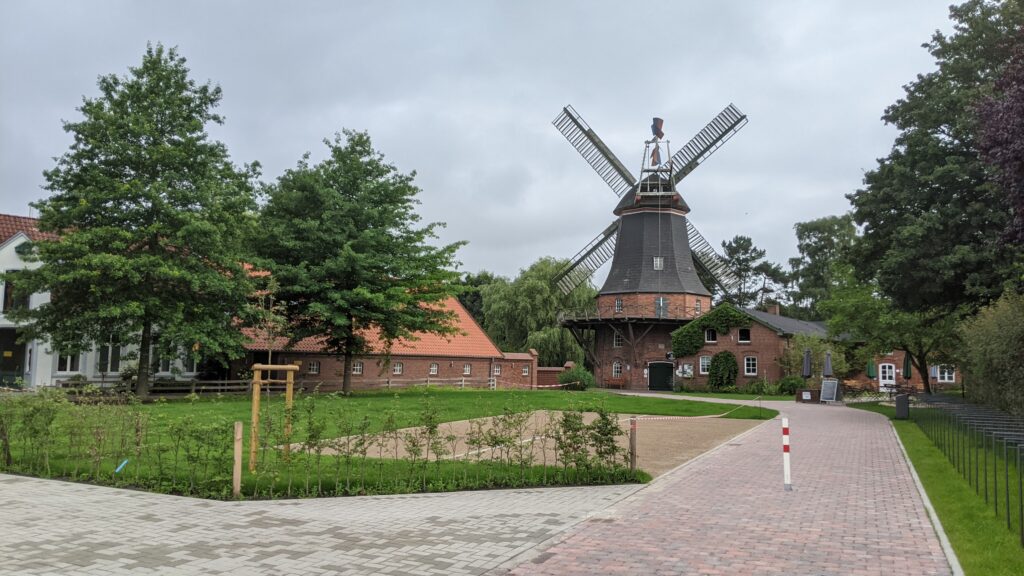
854, 510
49, 527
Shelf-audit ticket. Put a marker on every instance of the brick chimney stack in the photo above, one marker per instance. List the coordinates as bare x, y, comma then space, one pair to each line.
774, 309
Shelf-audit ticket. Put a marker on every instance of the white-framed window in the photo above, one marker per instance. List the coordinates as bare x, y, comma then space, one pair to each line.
705, 364
886, 376
467, 369
618, 304
744, 335
618, 341
750, 365
397, 368
68, 362
526, 370
661, 307
163, 366
696, 307
617, 369
12, 301
710, 335
108, 358
357, 367
189, 364
947, 374
659, 262
497, 369
313, 367
433, 369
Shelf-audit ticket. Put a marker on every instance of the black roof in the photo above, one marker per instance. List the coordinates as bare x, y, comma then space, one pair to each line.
641, 237
629, 201
787, 325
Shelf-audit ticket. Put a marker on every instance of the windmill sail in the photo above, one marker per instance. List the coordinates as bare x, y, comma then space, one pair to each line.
594, 151
705, 256
583, 265
717, 132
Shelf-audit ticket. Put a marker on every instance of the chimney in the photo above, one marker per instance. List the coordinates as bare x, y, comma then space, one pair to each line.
773, 309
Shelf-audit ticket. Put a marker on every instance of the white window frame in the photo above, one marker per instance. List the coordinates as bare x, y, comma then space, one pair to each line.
661, 307
189, 364
739, 335
946, 374
397, 368
696, 306
110, 348
467, 369
526, 370
617, 369
618, 340
357, 367
704, 365
497, 369
659, 262
432, 371
72, 363
618, 304
313, 367
886, 383
710, 336
750, 365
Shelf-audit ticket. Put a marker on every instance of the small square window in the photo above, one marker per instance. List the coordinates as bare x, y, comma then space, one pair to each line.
659, 263
696, 307
744, 335
947, 374
433, 368
68, 363
618, 304
313, 367
705, 364
618, 340
526, 370
497, 369
397, 368
467, 369
357, 367
710, 335
750, 366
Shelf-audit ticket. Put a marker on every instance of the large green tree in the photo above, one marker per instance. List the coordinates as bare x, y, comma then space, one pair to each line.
759, 279
343, 242
523, 313
149, 214
931, 216
471, 297
860, 316
821, 243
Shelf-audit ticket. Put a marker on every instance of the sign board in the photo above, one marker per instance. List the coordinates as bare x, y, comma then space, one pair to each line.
806, 394
829, 389
687, 370
8, 354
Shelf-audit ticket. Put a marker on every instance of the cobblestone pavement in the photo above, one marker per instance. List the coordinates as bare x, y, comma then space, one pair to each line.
854, 510
50, 527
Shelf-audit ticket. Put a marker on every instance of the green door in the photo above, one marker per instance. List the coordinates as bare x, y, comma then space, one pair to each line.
659, 376
12, 357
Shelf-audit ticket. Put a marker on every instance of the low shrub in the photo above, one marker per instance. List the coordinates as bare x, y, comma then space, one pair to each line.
723, 371
790, 384
576, 378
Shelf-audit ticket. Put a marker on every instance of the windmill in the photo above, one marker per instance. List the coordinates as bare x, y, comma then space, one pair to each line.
653, 285
602, 248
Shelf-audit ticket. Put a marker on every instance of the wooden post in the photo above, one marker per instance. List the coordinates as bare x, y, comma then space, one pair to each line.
289, 395
254, 432
236, 476
632, 443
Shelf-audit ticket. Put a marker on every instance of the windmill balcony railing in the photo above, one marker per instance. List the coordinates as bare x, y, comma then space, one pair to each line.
630, 312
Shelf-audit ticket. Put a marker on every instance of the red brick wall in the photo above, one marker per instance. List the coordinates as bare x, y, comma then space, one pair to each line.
635, 353
643, 305
861, 380
765, 344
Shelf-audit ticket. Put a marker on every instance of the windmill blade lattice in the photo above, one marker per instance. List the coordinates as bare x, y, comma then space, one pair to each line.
594, 151
707, 141
583, 265
705, 256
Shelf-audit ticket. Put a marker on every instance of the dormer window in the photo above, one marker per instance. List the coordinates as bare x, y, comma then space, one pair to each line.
659, 262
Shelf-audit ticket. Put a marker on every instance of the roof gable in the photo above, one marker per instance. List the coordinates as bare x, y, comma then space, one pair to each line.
11, 225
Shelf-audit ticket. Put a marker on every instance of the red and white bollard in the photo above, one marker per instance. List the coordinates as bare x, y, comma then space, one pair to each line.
787, 479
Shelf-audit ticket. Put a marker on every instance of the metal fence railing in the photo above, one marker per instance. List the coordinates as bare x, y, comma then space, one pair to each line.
985, 446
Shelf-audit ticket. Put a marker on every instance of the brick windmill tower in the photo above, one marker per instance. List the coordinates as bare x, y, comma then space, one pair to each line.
653, 286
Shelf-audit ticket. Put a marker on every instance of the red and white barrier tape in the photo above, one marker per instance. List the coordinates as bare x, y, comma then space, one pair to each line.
786, 477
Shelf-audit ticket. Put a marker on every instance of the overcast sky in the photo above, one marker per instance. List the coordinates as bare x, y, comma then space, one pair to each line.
464, 94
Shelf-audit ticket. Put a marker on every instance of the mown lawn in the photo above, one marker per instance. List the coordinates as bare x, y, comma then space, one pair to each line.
451, 405
982, 542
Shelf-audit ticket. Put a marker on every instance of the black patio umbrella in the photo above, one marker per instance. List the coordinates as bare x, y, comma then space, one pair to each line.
807, 363
906, 366
827, 372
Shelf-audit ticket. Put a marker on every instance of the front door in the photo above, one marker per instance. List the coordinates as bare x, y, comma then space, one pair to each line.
12, 357
886, 377
659, 376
